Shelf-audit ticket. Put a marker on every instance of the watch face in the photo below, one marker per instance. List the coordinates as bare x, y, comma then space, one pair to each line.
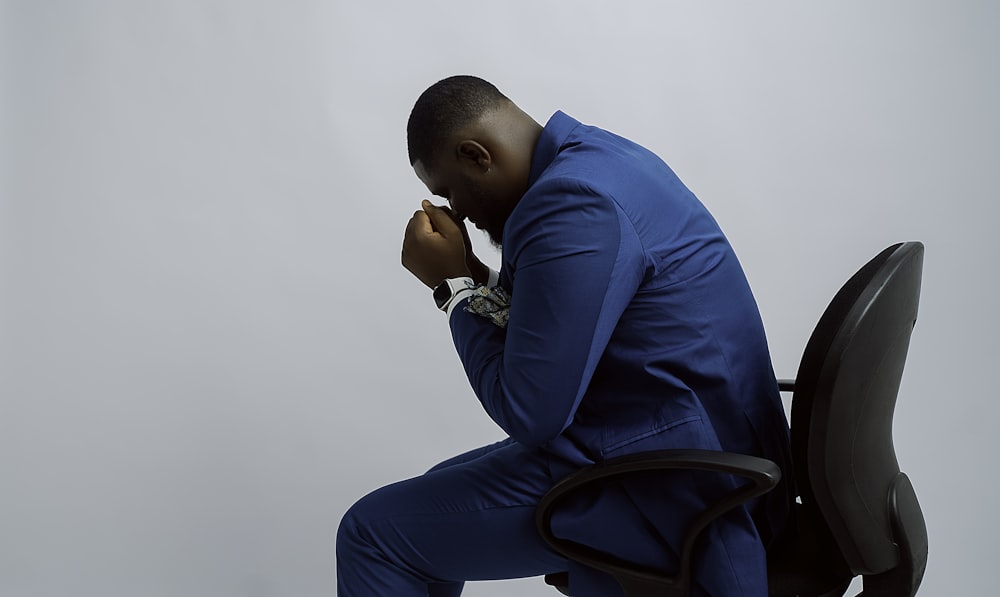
442, 292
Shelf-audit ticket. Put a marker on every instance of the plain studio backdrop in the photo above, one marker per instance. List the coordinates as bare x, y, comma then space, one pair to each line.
209, 349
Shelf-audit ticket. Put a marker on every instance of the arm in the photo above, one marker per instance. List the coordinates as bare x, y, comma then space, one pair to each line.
571, 283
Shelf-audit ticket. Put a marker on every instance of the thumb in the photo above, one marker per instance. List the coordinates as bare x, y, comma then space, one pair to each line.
440, 219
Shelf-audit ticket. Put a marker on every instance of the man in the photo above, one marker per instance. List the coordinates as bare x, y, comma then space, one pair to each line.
620, 321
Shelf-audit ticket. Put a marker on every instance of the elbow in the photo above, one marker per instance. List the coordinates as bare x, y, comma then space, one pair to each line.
532, 415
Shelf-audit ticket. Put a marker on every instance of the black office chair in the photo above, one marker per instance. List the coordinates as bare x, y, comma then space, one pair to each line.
857, 513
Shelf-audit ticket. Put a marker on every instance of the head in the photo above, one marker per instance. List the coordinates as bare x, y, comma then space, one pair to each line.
472, 146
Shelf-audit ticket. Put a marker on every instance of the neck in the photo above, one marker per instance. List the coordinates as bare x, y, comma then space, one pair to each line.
515, 135
522, 131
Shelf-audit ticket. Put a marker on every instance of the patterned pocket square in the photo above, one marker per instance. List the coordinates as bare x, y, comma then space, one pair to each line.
492, 303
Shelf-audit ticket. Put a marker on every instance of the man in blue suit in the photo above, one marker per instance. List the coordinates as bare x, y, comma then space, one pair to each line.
620, 321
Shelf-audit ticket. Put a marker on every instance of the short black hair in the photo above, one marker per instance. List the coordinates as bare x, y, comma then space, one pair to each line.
445, 107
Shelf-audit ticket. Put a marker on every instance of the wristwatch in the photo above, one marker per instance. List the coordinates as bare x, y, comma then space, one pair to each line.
452, 289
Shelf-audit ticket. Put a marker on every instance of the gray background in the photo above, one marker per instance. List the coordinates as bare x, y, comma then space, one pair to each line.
209, 350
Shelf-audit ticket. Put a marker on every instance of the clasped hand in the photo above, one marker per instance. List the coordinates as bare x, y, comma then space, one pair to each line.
436, 246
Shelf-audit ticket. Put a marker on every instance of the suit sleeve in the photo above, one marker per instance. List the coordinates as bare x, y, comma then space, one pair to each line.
573, 278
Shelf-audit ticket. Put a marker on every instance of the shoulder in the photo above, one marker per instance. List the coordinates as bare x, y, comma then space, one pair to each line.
561, 214
567, 196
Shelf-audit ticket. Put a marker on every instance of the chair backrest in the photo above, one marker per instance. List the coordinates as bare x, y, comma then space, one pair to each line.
842, 410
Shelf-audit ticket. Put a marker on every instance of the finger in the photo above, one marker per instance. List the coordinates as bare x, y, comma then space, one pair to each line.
451, 214
420, 223
442, 220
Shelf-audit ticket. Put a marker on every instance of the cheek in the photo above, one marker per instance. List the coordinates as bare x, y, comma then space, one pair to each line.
465, 197
463, 204
497, 204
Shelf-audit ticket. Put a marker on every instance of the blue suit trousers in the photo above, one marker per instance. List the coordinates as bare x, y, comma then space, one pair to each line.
469, 518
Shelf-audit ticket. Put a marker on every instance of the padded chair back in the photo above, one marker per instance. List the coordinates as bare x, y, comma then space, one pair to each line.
841, 421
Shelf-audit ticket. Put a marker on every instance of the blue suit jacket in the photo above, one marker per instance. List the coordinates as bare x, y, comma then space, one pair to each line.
632, 327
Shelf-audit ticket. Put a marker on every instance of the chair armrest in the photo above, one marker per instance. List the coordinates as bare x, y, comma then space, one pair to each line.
786, 385
763, 476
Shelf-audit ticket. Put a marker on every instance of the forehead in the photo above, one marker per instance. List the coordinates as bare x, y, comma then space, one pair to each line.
422, 173
437, 178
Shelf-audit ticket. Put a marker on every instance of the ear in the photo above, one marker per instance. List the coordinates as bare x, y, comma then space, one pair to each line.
473, 153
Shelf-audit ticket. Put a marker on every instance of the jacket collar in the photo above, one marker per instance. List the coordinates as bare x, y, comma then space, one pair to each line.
554, 135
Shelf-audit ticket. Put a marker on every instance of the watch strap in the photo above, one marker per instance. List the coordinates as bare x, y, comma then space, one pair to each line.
451, 291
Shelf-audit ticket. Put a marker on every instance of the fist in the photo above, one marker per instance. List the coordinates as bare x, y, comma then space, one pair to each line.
434, 246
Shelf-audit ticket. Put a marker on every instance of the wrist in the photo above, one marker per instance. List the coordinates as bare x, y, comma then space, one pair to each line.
451, 291
480, 272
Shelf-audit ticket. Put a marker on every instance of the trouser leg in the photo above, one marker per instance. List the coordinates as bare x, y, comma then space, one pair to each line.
471, 518
454, 589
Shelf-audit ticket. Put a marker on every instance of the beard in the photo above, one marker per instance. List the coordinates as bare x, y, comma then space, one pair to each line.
495, 235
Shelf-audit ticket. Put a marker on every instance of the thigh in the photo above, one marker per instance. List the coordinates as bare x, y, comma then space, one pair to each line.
471, 455
470, 520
